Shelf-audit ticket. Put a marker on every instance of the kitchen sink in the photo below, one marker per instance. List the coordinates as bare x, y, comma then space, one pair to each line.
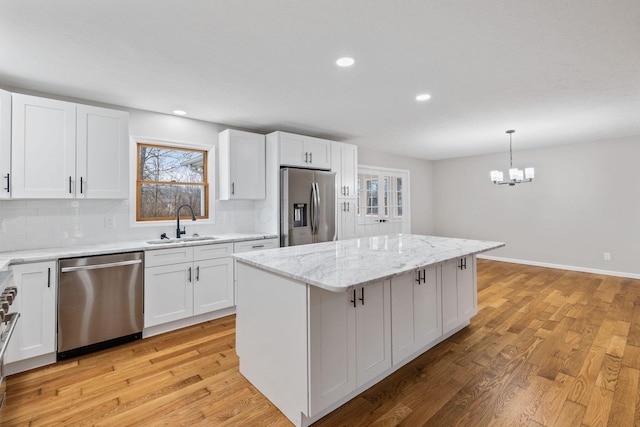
181, 240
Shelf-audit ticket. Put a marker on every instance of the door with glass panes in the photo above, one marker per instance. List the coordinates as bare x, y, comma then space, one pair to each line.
382, 201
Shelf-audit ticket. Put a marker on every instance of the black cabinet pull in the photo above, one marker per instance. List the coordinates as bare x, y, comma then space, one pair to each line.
463, 263
422, 277
197, 273
69, 185
310, 157
306, 157
189, 278
80, 185
362, 295
49, 277
233, 188
8, 186
353, 301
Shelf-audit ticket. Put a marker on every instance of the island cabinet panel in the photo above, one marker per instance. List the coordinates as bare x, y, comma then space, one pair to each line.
459, 292
349, 341
373, 330
271, 338
332, 344
416, 318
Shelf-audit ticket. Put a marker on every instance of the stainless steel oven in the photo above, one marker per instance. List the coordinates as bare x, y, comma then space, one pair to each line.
7, 323
100, 302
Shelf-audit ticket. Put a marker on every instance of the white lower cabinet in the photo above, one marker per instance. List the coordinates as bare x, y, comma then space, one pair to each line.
213, 285
168, 293
459, 292
187, 281
349, 341
416, 319
35, 333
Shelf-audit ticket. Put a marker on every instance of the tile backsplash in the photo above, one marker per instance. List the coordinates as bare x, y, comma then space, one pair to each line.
36, 224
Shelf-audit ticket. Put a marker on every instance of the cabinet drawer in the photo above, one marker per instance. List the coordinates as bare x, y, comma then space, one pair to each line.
168, 256
255, 245
219, 250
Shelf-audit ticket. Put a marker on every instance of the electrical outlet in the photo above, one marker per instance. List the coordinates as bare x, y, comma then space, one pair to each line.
607, 256
110, 222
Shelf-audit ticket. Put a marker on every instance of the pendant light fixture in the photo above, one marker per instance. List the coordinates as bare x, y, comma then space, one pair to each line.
516, 176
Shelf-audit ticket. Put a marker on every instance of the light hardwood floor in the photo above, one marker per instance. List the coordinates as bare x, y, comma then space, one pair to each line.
547, 348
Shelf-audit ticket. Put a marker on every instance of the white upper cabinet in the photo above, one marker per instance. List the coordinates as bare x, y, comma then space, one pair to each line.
62, 150
242, 165
43, 148
304, 151
344, 162
5, 144
102, 162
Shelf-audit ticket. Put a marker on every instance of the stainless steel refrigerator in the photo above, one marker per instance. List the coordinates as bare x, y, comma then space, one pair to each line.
307, 206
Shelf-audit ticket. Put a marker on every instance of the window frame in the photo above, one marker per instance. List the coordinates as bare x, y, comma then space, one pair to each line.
209, 184
387, 206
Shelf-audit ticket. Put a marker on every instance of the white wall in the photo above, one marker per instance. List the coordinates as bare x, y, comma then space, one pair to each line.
585, 201
420, 177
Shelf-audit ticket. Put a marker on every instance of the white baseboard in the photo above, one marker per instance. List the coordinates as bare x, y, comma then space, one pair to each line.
563, 267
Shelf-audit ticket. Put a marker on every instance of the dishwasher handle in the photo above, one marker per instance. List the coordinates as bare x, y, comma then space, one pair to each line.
100, 266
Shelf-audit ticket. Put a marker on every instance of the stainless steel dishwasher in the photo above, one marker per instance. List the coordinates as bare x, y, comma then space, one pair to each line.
100, 302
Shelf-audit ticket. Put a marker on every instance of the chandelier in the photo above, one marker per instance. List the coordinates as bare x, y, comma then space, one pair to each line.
516, 176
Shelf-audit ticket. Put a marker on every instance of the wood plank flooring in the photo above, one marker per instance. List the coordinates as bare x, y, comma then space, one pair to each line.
547, 348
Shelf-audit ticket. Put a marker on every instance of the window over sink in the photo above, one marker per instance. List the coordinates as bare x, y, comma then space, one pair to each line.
168, 177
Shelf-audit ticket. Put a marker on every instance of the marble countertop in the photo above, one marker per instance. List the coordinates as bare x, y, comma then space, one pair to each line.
35, 255
341, 265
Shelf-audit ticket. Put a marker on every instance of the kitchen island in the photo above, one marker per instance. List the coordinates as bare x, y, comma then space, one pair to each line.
318, 324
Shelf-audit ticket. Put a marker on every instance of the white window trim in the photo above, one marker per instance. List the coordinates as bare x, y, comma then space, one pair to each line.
133, 170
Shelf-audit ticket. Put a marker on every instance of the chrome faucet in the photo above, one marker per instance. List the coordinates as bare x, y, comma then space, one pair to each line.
193, 218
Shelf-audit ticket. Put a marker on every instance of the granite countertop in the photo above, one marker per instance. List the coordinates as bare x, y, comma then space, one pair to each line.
35, 255
341, 265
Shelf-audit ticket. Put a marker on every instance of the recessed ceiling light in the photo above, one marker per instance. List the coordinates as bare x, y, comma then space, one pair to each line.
345, 62
423, 97
179, 112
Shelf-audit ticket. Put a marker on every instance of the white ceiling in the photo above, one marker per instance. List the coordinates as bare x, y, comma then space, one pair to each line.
556, 71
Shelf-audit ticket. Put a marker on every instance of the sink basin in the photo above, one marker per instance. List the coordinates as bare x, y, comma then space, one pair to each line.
181, 240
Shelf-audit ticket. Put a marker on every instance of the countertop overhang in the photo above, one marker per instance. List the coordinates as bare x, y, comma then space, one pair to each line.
341, 265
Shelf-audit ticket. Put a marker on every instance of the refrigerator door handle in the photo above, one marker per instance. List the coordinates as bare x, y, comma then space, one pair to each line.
315, 206
312, 213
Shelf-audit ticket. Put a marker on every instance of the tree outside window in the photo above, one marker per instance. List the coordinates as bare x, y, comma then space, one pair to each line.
168, 177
